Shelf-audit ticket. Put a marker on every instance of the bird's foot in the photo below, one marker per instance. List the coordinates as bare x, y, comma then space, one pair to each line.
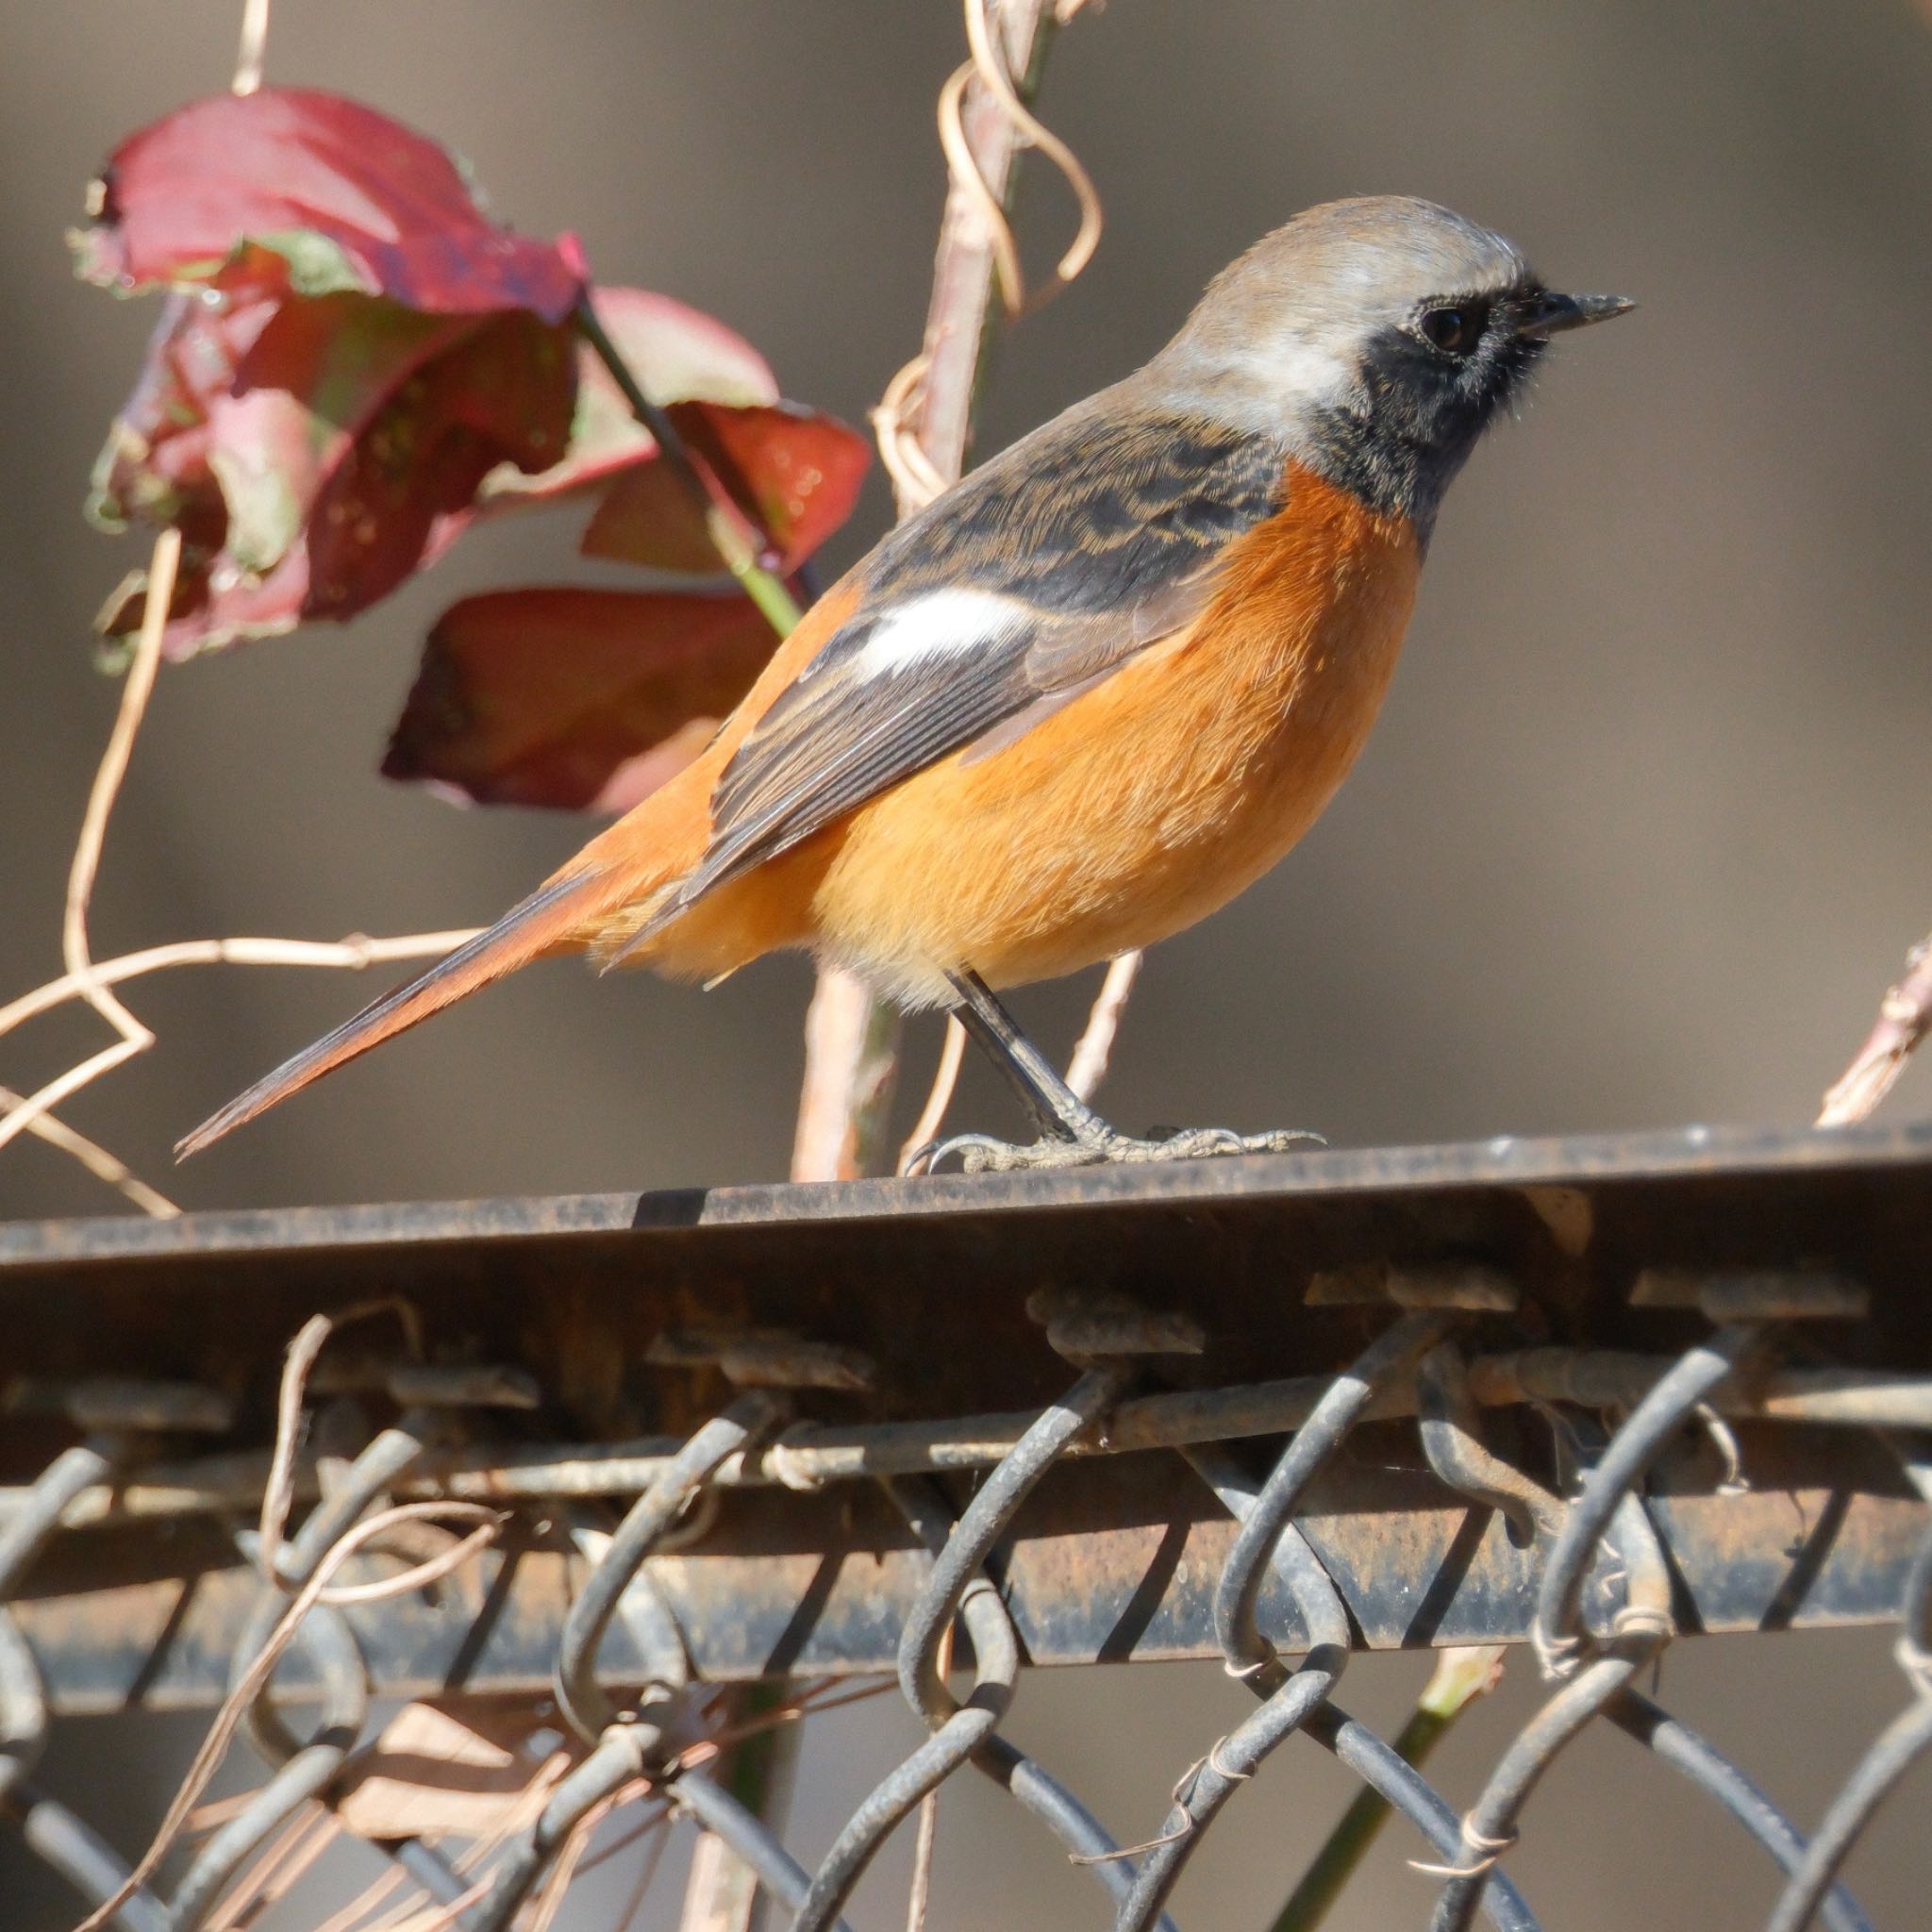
982, 1154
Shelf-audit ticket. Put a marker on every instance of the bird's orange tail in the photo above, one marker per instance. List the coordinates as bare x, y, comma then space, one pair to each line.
545, 919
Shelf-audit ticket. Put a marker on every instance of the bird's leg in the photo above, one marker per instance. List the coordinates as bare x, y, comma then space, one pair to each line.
1057, 1111
1072, 1134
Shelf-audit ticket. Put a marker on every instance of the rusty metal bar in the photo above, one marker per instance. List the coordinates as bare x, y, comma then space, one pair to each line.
574, 1292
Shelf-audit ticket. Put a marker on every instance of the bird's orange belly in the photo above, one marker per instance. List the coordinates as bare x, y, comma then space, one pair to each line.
1149, 801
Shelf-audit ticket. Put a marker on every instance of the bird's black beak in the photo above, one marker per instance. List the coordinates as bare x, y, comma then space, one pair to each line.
1544, 315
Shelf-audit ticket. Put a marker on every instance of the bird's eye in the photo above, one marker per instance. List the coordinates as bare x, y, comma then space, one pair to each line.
1454, 331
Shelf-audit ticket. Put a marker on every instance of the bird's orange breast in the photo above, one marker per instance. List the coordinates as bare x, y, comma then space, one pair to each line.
1142, 806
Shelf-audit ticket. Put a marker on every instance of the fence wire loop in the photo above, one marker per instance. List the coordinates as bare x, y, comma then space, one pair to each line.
1347, 1397
580, 1696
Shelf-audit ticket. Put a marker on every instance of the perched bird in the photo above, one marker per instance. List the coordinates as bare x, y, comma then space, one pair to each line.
1089, 693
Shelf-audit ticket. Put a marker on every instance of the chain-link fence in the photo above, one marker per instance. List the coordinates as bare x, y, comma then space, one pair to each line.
602, 1457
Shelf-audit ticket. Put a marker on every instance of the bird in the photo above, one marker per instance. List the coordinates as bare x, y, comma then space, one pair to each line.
1086, 695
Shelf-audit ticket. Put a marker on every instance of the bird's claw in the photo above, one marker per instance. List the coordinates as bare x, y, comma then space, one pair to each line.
982, 1154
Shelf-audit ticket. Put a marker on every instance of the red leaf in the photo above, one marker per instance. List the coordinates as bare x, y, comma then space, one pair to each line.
212, 606
403, 491
801, 472
314, 382
313, 463
291, 188
580, 698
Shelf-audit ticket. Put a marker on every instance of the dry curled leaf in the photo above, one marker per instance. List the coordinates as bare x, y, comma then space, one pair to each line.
436, 1769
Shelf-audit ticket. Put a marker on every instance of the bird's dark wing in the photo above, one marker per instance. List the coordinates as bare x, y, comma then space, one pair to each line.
1039, 575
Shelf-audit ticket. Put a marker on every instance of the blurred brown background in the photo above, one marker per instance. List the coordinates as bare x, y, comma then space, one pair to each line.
1640, 839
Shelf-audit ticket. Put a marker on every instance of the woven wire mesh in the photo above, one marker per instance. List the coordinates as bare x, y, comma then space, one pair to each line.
1578, 1461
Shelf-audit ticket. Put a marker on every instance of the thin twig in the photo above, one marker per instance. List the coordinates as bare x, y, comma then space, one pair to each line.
366, 1901
549, 1899
810, 1704
277, 1869
915, 478
278, 1490
19, 1115
439, 1916
564, 1866
94, 1157
354, 953
418, 1576
522, 1810
1905, 1017
35, 1105
85, 867
982, 140
720, 1891
136, 689
252, 51
987, 65
925, 1130
656, 1820
1088, 1067
87, 980
658, 1832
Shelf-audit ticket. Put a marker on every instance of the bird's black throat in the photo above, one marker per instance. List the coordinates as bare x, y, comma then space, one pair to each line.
1408, 429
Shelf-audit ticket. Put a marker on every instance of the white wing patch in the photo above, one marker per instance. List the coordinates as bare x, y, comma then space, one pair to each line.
939, 623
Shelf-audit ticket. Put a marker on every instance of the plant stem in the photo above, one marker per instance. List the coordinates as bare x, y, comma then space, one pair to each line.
851, 1038
1461, 1677
963, 320
724, 524
851, 1064
1904, 1018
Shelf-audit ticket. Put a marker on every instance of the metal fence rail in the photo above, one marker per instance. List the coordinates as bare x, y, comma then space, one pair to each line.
1570, 1395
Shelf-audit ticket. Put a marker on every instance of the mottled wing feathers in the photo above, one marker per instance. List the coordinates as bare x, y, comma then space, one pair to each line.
1051, 567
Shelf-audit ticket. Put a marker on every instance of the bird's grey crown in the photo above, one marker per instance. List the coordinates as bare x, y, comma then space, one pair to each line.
1349, 264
